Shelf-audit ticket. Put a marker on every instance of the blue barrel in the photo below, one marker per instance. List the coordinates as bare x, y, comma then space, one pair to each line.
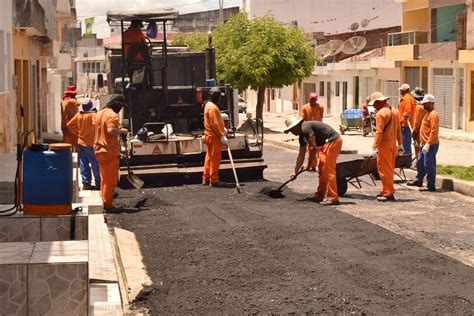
47, 177
210, 83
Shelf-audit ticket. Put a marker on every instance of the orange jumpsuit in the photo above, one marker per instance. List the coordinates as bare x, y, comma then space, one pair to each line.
312, 113
213, 130
420, 113
388, 133
68, 110
327, 170
107, 151
132, 36
407, 107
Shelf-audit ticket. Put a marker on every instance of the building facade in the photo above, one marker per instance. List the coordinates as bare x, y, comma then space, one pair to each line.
8, 122
434, 53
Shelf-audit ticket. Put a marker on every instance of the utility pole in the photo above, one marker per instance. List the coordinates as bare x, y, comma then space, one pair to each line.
221, 11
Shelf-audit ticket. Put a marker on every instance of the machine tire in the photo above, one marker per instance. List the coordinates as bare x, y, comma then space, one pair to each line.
341, 186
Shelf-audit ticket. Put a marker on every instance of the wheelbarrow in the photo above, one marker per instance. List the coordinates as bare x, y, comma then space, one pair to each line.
349, 168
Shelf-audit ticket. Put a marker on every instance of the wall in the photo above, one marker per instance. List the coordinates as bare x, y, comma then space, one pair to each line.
470, 25
329, 16
416, 20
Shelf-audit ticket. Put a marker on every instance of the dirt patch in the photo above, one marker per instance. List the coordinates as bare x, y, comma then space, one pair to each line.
209, 251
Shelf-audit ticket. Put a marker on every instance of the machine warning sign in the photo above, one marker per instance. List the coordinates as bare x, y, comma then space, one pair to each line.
156, 150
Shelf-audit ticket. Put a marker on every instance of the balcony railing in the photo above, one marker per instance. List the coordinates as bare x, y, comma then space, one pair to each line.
407, 38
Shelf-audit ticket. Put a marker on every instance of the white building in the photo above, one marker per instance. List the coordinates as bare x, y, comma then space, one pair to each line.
7, 88
339, 85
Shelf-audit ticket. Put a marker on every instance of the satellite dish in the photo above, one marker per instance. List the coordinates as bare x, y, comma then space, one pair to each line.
335, 47
364, 23
322, 50
354, 45
354, 26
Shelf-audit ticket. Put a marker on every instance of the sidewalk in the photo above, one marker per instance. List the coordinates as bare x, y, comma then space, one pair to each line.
451, 152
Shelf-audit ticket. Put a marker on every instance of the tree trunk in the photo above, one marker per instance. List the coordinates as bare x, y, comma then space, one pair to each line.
260, 102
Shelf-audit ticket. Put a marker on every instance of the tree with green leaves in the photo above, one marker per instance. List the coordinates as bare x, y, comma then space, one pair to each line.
197, 42
261, 53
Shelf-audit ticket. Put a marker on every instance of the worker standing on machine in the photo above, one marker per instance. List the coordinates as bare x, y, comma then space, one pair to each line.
82, 125
106, 147
69, 108
406, 113
387, 134
312, 111
324, 137
214, 138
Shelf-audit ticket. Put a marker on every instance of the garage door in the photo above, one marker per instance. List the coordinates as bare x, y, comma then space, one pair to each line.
443, 88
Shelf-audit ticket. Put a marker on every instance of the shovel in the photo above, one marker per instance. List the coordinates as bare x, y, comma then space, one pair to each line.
237, 184
132, 178
276, 194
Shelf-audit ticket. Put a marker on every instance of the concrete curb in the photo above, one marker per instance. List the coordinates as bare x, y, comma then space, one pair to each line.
296, 147
449, 184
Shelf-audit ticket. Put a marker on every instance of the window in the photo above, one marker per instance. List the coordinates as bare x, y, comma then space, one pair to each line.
412, 76
424, 78
444, 23
344, 95
321, 88
338, 87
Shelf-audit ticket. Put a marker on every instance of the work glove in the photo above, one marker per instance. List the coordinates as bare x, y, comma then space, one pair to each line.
375, 152
400, 149
224, 140
425, 148
225, 131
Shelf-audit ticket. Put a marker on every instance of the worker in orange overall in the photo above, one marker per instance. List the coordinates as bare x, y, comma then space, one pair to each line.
69, 108
133, 35
312, 111
214, 138
420, 112
82, 125
429, 132
324, 137
406, 116
387, 135
106, 147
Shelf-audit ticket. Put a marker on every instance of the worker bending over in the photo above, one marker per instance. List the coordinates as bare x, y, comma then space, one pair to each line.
312, 111
429, 131
387, 134
82, 125
214, 138
69, 108
406, 113
323, 136
420, 112
106, 147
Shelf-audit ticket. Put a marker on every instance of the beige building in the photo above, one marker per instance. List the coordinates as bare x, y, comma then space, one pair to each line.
435, 51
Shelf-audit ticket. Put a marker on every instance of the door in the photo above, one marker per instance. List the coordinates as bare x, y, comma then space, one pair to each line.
344, 95
356, 92
307, 89
328, 97
443, 83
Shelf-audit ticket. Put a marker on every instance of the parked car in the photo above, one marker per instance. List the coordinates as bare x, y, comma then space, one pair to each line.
242, 105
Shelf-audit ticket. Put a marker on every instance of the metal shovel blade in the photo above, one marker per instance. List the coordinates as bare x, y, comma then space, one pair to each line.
135, 181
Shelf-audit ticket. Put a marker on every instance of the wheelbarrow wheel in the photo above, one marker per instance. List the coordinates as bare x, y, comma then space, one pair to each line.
341, 186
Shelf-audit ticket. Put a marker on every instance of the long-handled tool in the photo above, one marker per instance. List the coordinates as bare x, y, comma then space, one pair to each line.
134, 180
276, 194
237, 184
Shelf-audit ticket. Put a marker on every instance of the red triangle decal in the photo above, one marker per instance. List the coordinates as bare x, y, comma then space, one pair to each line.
156, 150
139, 57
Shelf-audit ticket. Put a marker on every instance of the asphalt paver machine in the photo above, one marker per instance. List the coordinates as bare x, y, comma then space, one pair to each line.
166, 88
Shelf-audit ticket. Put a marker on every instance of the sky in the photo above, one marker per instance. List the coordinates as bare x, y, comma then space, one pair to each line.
98, 8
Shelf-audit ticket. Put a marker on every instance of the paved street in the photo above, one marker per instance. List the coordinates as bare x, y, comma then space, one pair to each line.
213, 251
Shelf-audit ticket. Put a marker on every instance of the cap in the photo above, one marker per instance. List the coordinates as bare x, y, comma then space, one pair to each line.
87, 104
291, 122
377, 96
313, 95
404, 87
427, 99
70, 90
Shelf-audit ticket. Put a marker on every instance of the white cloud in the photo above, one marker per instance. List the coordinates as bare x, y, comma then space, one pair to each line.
98, 8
